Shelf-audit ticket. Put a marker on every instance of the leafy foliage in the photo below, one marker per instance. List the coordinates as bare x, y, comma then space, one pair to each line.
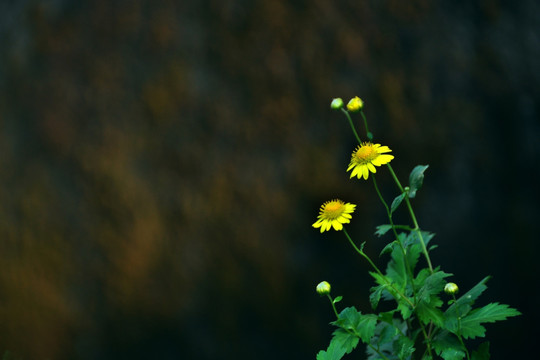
420, 326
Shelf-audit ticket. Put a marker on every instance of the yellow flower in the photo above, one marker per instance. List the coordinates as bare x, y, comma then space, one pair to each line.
355, 104
334, 214
366, 157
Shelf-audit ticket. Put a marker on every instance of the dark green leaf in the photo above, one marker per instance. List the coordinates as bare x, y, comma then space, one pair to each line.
433, 285
429, 311
463, 305
452, 354
388, 248
416, 179
403, 347
345, 340
470, 324
375, 295
405, 310
334, 352
396, 202
445, 340
383, 229
360, 325
482, 353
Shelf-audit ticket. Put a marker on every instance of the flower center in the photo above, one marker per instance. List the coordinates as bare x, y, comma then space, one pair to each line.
366, 153
333, 209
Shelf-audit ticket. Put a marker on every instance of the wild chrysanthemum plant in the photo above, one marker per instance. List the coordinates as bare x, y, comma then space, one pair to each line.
428, 320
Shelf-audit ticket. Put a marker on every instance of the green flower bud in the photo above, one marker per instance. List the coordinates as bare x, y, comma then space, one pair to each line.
323, 288
336, 104
355, 104
451, 289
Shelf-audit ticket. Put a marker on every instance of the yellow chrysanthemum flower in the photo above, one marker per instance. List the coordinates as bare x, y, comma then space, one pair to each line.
366, 157
334, 214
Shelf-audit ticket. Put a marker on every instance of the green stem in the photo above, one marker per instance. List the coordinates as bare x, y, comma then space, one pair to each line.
413, 217
389, 213
352, 126
377, 269
333, 305
459, 331
378, 352
368, 134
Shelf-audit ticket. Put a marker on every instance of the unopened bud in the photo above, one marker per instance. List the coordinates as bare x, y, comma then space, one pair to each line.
355, 104
323, 288
336, 104
451, 289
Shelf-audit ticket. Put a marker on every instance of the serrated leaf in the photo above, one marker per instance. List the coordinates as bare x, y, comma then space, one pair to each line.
403, 347
432, 285
345, 339
464, 303
334, 352
405, 310
396, 202
452, 354
382, 229
482, 353
388, 248
361, 325
416, 179
375, 296
429, 312
386, 333
470, 324
446, 340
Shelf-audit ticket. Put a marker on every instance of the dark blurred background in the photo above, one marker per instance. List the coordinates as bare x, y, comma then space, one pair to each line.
161, 164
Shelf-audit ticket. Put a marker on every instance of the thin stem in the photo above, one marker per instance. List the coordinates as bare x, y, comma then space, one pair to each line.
333, 305
459, 330
352, 126
368, 134
377, 270
377, 351
389, 213
413, 217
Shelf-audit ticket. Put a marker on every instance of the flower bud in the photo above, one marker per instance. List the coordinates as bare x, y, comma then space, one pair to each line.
355, 104
323, 288
451, 289
336, 104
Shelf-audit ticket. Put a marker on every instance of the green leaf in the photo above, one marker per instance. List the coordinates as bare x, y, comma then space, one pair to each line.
403, 347
452, 354
432, 285
375, 295
416, 179
463, 305
444, 341
337, 299
361, 325
334, 352
388, 248
429, 311
482, 353
470, 324
382, 229
346, 340
396, 202
405, 310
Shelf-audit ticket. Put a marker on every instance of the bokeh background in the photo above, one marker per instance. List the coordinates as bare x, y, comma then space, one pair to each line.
161, 164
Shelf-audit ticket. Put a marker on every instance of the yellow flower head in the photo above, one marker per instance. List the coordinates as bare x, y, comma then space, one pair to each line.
334, 214
366, 157
355, 104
